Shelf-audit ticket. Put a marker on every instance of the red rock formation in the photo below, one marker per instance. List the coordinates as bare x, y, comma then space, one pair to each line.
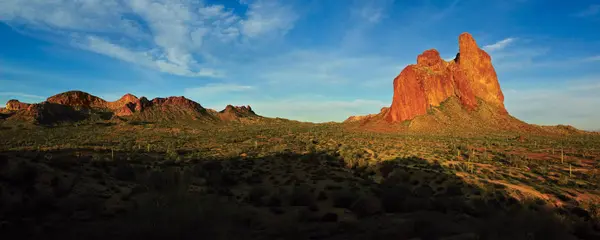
142, 104
432, 80
47, 112
77, 104
178, 102
232, 113
125, 106
122, 102
78, 99
126, 110
238, 109
476, 64
15, 105
382, 112
81, 99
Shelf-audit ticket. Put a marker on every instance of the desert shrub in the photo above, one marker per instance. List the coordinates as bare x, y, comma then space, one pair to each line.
386, 168
322, 196
353, 157
563, 180
124, 172
257, 195
541, 170
156, 180
329, 217
366, 206
524, 223
176, 215
344, 198
274, 201
172, 155
301, 196
517, 161
392, 197
23, 174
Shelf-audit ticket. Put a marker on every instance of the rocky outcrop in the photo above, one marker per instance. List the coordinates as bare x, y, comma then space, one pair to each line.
425, 85
242, 110
15, 105
234, 113
48, 113
127, 110
431, 81
124, 101
78, 99
142, 104
382, 112
180, 102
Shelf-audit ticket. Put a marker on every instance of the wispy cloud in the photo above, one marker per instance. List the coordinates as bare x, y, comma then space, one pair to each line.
591, 10
372, 11
530, 58
18, 94
216, 89
169, 36
499, 45
314, 68
265, 17
573, 103
592, 59
445, 11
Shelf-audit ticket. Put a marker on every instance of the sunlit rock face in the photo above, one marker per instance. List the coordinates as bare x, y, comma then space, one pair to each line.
432, 80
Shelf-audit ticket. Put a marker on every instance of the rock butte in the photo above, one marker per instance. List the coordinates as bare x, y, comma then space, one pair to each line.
432, 80
15, 105
235, 112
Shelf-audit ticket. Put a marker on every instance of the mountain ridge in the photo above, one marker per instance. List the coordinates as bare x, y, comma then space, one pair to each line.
76, 105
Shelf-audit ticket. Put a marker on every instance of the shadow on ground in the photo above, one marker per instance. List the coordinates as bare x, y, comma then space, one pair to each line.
82, 194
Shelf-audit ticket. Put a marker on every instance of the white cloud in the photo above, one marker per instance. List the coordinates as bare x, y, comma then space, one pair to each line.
591, 10
313, 68
444, 12
372, 11
499, 45
216, 89
18, 94
265, 16
142, 58
592, 59
169, 36
574, 104
527, 58
524, 58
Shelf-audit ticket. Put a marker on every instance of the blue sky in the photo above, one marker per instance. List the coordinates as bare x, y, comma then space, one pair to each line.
311, 60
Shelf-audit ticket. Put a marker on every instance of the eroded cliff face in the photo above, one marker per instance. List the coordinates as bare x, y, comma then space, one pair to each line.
234, 113
78, 99
432, 80
15, 105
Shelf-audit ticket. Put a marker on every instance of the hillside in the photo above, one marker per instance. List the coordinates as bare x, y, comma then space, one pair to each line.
73, 106
291, 180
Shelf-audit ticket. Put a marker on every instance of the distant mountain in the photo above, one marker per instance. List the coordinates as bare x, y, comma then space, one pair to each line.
78, 105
